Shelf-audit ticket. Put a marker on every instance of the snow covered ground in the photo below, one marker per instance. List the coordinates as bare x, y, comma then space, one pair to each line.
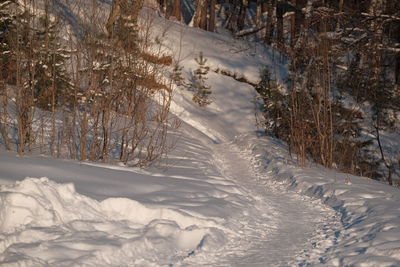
209, 209
225, 196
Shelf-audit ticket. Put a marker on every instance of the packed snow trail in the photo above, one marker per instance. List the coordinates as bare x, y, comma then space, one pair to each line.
278, 228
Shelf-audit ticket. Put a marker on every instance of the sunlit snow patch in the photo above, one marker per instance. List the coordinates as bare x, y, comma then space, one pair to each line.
42, 222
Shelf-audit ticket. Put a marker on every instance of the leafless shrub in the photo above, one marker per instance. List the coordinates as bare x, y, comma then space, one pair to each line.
111, 103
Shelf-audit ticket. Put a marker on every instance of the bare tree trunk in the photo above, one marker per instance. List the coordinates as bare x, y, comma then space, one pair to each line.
4, 115
279, 25
105, 120
177, 13
378, 139
30, 94
200, 15
53, 109
83, 131
114, 14
296, 21
293, 30
75, 110
397, 69
211, 21
30, 78
203, 19
242, 14
258, 13
270, 25
19, 101
169, 8
264, 6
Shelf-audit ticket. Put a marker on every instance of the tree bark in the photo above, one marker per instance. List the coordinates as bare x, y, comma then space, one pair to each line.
114, 14
242, 14
211, 21
279, 24
258, 12
397, 69
270, 24
203, 17
200, 15
177, 13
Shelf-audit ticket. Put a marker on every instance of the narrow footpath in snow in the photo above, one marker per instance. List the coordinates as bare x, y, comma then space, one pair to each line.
278, 228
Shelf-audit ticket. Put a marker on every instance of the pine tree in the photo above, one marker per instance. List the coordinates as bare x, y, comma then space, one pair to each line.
275, 108
201, 90
176, 75
51, 78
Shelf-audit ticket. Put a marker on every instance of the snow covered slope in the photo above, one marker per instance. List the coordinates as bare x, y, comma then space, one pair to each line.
226, 196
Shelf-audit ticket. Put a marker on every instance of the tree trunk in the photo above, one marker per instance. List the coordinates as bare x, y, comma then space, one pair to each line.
19, 101
270, 25
293, 30
258, 13
203, 18
82, 138
177, 13
242, 14
397, 59
279, 25
211, 21
114, 14
200, 15
296, 22
397, 69
169, 8
4, 115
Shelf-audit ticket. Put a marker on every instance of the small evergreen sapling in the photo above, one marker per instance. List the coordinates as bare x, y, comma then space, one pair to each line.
201, 90
177, 76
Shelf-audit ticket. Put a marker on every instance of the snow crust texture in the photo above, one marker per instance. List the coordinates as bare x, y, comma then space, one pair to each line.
42, 222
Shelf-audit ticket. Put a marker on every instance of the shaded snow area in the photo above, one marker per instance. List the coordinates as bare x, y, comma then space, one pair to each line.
224, 197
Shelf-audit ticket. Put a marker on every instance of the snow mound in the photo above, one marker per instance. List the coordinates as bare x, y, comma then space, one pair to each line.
43, 222
369, 210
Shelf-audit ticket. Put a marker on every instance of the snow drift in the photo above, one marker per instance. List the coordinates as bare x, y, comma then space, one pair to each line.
42, 222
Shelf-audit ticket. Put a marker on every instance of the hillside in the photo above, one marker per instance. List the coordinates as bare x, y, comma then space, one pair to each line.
226, 195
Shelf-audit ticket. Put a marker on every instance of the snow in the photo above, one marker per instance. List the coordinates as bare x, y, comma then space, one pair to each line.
221, 51
369, 210
41, 219
226, 196
206, 209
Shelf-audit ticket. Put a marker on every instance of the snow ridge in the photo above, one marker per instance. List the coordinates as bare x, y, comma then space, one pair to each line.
48, 223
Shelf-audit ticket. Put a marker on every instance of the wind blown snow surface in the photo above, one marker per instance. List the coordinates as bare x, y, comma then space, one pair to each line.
43, 222
225, 196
